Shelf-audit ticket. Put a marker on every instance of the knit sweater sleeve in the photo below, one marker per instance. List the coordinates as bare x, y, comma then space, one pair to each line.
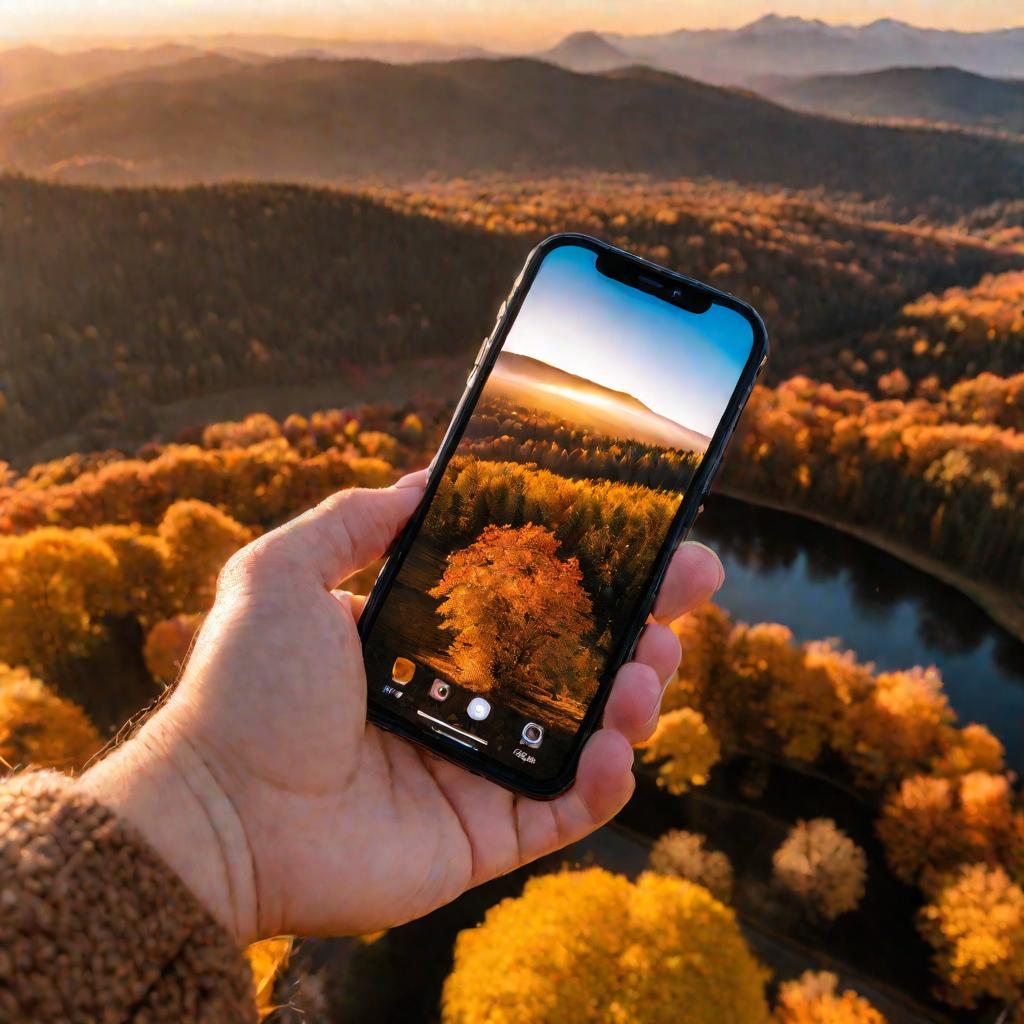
94, 926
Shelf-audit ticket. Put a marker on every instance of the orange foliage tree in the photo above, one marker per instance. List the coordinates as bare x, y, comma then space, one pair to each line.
167, 646
684, 855
519, 613
904, 722
813, 998
758, 690
930, 824
822, 867
971, 749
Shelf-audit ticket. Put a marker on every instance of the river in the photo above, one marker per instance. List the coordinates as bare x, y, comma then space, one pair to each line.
822, 583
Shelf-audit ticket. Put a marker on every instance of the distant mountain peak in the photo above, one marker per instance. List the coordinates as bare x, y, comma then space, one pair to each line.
587, 37
783, 23
586, 51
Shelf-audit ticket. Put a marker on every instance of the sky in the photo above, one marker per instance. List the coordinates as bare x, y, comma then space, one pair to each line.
508, 24
681, 365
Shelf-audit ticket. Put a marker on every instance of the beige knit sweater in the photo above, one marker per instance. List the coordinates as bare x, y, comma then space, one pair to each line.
94, 926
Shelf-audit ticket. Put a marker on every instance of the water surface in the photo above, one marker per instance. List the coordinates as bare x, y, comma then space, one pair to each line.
823, 583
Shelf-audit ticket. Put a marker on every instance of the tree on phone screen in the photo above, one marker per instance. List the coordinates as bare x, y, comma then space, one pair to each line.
520, 614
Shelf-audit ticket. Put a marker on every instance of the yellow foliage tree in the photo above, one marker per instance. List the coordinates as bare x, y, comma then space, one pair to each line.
684, 855
588, 946
975, 925
703, 641
822, 867
141, 568
39, 728
199, 539
55, 586
686, 749
813, 999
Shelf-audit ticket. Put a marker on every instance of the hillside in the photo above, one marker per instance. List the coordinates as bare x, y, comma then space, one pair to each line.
30, 71
944, 94
117, 302
538, 385
124, 302
327, 120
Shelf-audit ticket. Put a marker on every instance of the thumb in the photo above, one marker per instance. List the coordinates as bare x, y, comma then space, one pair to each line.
348, 530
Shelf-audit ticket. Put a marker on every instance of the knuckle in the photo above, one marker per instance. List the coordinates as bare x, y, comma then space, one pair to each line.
246, 563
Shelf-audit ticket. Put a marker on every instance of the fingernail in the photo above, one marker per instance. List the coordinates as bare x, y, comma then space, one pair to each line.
417, 479
718, 561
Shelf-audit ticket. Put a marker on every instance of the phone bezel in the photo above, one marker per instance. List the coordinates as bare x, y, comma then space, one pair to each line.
511, 778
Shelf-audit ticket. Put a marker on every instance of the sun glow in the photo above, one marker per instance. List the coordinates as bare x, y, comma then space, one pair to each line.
581, 395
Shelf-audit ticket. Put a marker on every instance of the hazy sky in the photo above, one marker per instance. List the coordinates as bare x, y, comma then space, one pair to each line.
510, 23
681, 365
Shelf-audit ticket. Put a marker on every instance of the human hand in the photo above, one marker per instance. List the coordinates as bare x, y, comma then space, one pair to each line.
261, 783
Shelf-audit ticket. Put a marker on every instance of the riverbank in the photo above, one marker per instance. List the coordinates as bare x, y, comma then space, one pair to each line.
1004, 609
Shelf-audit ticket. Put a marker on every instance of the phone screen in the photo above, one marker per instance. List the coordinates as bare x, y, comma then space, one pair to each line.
540, 541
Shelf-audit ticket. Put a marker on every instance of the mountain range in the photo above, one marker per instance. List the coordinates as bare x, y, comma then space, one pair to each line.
797, 46
942, 95
741, 56
216, 118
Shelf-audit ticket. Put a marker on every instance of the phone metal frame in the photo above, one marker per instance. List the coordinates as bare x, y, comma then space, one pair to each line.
510, 778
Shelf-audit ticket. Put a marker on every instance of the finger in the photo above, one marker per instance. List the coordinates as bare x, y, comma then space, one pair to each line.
355, 603
632, 707
604, 783
659, 647
693, 575
346, 531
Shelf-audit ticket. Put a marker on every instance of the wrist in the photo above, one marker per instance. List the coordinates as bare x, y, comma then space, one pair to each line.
158, 783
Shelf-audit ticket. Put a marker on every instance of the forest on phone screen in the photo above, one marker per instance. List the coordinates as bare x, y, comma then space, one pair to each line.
242, 269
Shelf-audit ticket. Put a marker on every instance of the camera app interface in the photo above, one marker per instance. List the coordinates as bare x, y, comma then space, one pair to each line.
544, 530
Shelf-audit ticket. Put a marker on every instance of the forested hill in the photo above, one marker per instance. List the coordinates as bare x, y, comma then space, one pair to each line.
312, 119
117, 302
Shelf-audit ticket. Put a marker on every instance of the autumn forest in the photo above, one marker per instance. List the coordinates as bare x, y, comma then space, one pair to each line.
832, 801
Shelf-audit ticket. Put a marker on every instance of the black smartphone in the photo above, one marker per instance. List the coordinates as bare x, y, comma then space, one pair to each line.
591, 427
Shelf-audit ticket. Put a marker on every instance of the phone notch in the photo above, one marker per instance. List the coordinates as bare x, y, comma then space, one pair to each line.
636, 274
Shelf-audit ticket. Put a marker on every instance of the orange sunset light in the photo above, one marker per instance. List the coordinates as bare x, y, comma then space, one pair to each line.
500, 24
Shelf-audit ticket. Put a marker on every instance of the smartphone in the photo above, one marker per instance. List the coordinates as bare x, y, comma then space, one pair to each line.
592, 423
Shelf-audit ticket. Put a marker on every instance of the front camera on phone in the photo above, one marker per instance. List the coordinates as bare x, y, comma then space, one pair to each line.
533, 735
440, 690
